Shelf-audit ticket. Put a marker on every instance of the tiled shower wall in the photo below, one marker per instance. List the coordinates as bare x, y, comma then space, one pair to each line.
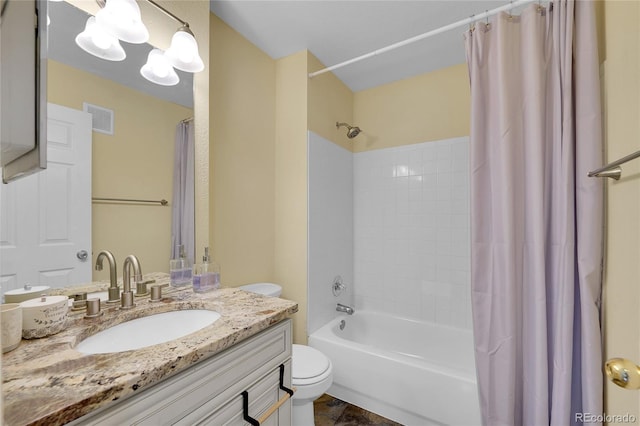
411, 231
330, 228
395, 224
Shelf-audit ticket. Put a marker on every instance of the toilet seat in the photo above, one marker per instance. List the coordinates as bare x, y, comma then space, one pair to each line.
310, 366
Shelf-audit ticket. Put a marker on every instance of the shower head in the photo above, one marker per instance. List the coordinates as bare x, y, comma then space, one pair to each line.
352, 131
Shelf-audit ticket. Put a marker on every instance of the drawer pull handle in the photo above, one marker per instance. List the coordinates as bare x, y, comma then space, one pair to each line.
282, 386
272, 409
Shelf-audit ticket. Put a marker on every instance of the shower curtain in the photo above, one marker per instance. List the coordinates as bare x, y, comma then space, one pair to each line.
183, 211
536, 218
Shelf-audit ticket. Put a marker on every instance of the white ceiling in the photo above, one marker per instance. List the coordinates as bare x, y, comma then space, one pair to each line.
338, 30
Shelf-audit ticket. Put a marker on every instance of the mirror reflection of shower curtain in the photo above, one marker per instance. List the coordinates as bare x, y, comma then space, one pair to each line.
183, 213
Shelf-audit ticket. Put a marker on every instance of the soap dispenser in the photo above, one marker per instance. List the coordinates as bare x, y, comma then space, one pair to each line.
206, 275
180, 269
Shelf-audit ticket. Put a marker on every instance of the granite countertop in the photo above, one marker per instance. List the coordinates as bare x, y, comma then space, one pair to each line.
46, 382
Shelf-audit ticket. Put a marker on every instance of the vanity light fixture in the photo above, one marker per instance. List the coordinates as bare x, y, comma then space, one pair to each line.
183, 52
121, 19
95, 40
158, 69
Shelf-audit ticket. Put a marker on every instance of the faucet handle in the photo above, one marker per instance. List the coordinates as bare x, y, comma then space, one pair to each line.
141, 288
93, 308
79, 301
126, 300
156, 293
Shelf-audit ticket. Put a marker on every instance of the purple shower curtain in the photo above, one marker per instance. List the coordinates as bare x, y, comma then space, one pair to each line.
183, 211
536, 218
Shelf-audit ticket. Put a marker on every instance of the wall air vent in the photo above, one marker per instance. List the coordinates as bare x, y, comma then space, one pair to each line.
102, 121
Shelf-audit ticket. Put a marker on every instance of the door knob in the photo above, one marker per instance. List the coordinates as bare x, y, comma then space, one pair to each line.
623, 373
82, 255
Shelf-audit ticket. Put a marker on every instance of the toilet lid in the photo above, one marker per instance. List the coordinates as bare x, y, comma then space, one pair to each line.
266, 289
308, 362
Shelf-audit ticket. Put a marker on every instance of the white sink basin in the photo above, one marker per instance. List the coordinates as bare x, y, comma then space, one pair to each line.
147, 331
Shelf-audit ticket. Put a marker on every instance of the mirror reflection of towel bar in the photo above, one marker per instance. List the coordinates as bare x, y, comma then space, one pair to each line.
162, 202
612, 170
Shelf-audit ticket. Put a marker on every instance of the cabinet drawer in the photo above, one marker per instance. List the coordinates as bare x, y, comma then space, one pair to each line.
211, 383
262, 395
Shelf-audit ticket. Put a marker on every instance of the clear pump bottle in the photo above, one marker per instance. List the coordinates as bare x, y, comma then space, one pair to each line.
206, 275
180, 269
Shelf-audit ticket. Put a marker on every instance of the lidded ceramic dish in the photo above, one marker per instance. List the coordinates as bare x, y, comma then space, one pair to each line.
27, 292
44, 316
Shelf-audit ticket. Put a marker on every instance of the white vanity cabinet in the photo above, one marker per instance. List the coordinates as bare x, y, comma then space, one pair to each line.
211, 392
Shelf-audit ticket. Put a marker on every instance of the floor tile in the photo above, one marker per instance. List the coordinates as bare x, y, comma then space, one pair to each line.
330, 411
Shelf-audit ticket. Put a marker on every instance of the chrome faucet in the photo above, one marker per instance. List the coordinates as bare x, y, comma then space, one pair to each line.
114, 291
126, 300
344, 308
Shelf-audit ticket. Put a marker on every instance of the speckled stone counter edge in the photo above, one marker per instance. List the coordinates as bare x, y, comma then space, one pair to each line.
47, 382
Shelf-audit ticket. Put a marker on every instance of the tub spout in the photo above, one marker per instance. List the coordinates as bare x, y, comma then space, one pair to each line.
344, 308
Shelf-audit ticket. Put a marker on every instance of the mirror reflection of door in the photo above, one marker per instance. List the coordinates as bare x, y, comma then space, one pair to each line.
45, 231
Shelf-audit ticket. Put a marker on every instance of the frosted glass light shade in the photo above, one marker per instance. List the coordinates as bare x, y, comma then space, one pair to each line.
158, 69
183, 52
95, 40
122, 19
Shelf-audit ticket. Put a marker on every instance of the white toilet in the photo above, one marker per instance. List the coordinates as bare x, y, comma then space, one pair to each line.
311, 372
311, 375
266, 289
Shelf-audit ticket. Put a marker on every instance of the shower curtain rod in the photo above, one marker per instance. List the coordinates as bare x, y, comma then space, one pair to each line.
461, 23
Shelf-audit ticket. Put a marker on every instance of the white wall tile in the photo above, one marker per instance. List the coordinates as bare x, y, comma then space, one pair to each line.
416, 231
331, 179
409, 228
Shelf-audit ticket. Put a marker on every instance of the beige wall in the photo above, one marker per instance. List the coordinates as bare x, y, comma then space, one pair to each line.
428, 107
330, 101
242, 150
291, 185
622, 135
135, 162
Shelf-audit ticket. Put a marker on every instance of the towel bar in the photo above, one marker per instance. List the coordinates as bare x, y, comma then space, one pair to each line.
612, 170
272, 409
162, 202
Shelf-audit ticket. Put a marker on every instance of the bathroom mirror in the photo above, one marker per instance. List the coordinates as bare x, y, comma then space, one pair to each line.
132, 145
134, 158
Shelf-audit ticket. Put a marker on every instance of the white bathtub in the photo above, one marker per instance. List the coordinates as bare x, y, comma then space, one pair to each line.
415, 373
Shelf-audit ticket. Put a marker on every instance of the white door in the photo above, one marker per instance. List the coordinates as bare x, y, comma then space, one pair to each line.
45, 218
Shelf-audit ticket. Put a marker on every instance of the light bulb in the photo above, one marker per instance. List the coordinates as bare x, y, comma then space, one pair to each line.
96, 41
183, 52
158, 69
186, 56
122, 19
101, 40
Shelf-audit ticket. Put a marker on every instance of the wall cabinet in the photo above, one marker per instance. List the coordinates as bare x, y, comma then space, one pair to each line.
210, 392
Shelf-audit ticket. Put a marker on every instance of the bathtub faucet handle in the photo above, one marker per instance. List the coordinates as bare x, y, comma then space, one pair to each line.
344, 308
338, 286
